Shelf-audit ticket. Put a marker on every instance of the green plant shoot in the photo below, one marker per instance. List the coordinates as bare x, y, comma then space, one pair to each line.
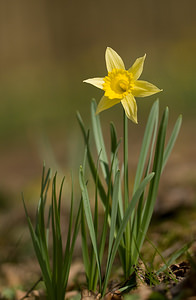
55, 274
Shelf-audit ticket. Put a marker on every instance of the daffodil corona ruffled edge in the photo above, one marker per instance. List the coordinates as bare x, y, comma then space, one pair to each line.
121, 85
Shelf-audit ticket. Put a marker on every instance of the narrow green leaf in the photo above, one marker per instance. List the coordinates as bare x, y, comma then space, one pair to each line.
123, 225
115, 199
114, 146
85, 252
107, 214
150, 128
40, 222
68, 259
93, 270
68, 241
96, 198
174, 256
150, 136
54, 260
90, 160
172, 141
99, 140
157, 167
45, 184
43, 264
48, 225
60, 197
152, 193
113, 138
81, 123
89, 218
59, 245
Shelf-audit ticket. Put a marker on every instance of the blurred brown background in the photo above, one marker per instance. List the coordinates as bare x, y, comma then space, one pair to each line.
48, 47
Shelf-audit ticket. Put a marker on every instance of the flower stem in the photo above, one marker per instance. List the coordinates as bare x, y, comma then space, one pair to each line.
126, 189
126, 195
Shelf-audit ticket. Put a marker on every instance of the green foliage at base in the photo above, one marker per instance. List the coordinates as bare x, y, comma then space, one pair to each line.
55, 275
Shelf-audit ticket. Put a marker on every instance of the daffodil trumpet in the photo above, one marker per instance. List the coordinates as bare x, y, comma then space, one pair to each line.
121, 85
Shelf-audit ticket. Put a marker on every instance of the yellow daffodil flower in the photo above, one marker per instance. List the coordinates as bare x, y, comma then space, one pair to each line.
122, 85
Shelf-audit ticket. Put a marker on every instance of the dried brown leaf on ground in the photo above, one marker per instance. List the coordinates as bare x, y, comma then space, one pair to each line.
89, 295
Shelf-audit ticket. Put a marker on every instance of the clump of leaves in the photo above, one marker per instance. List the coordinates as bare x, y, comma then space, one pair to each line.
55, 274
132, 209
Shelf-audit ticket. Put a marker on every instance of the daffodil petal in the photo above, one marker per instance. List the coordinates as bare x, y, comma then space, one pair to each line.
144, 88
98, 82
137, 67
106, 103
130, 107
113, 60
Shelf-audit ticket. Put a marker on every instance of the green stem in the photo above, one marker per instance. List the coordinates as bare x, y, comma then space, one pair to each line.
126, 189
126, 196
